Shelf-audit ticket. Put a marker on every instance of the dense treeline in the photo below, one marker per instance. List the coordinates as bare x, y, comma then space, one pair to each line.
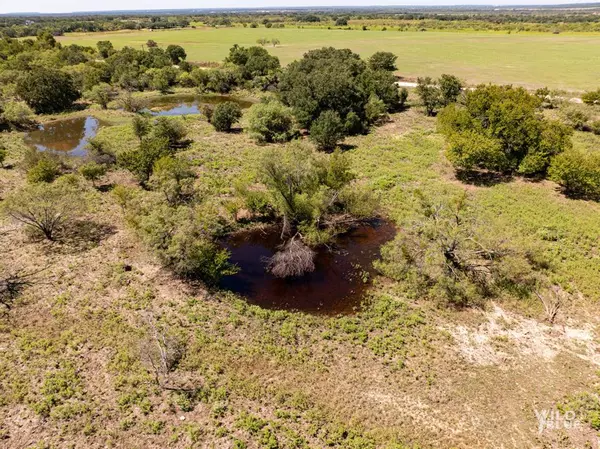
481, 20
32, 26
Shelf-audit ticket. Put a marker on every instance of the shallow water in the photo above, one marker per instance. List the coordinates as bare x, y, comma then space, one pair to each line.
336, 286
67, 136
189, 104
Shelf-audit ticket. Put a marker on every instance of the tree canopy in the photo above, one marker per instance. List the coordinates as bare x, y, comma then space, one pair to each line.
337, 80
500, 128
47, 91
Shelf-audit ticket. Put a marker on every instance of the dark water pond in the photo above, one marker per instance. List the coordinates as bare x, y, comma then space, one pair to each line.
336, 286
189, 104
68, 136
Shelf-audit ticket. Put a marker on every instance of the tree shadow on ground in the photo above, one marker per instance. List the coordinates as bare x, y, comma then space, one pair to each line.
483, 178
344, 147
183, 144
81, 235
577, 195
105, 187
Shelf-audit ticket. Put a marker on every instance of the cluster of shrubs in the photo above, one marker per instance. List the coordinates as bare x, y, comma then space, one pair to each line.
447, 254
435, 94
331, 93
50, 77
500, 129
580, 119
334, 93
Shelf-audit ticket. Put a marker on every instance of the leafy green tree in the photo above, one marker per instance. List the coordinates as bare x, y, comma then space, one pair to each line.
577, 173
592, 97
46, 40
45, 208
554, 138
176, 53
171, 130
129, 103
200, 78
47, 91
92, 171
454, 118
382, 84
182, 238
16, 114
313, 195
341, 22
450, 88
445, 254
221, 81
470, 150
100, 94
336, 80
74, 54
327, 130
577, 118
375, 110
46, 170
504, 120
429, 93
160, 81
105, 48
252, 62
141, 126
185, 66
140, 162
225, 115
383, 60
271, 122
174, 177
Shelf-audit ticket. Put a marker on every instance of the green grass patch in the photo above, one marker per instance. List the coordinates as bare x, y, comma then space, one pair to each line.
518, 58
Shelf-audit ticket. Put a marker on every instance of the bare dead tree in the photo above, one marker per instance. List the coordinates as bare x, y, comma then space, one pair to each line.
295, 259
552, 299
162, 352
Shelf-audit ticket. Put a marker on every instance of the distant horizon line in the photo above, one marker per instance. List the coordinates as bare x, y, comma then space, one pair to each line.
582, 5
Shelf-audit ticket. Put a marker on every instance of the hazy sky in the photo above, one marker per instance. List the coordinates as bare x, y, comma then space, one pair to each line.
106, 5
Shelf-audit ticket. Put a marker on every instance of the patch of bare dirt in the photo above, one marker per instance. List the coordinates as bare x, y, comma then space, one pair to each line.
505, 336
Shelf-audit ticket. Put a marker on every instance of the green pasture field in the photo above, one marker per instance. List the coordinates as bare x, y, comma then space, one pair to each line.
565, 61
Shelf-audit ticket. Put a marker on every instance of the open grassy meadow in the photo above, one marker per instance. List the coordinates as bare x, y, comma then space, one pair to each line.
569, 62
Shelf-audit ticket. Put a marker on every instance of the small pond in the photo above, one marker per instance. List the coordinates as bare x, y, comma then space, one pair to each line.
336, 286
66, 136
189, 104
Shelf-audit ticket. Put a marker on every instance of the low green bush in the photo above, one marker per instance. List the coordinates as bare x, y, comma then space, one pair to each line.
46, 170
591, 97
577, 173
327, 130
225, 115
271, 122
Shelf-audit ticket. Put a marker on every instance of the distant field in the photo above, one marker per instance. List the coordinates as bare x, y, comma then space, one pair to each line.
557, 61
